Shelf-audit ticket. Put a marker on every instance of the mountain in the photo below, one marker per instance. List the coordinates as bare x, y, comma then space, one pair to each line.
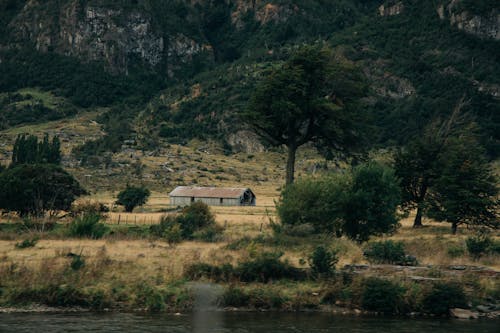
172, 71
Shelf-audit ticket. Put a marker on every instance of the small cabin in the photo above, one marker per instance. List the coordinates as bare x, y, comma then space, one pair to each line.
212, 196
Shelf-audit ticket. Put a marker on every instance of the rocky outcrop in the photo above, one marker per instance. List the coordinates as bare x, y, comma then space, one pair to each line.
264, 12
485, 24
245, 141
391, 10
113, 35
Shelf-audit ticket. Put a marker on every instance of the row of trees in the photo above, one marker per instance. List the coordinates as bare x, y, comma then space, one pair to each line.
315, 98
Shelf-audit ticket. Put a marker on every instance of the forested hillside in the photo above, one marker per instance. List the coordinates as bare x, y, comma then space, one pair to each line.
170, 71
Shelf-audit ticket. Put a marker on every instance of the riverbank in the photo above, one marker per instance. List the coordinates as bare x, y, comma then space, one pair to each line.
255, 269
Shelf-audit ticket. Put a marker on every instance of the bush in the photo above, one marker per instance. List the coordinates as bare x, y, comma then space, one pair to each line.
385, 252
87, 225
31, 242
173, 234
77, 262
479, 245
323, 261
382, 296
195, 217
195, 221
264, 268
267, 267
212, 233
455, 251
443, 297
234, 297
197, 271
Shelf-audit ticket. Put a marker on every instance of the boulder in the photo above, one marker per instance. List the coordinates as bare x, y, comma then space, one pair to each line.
463, 314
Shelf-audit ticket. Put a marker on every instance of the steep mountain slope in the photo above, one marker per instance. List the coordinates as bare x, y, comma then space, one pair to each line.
183, 69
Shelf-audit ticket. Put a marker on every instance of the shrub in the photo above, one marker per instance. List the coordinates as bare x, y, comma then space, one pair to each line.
323, 261
173, 234
212, 233
443, 297
195, 217
382, 296
266, 267
31, 242
202, 270
195, 221
77, 262
234, 297
455, 251
479, 245
87, 225
385, 252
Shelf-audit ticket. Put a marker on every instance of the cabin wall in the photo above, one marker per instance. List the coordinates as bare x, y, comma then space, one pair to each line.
186, 201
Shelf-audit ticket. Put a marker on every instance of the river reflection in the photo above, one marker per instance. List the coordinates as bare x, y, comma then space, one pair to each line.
221, 322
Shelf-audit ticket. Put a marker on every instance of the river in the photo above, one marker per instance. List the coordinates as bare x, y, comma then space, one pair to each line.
222, 322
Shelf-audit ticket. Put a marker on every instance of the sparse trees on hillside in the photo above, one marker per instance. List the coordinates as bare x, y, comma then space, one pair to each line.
310, 98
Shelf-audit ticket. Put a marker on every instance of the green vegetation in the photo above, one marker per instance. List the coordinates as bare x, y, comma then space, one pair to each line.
27, 243
443, 297
132, 197
382, 296
385, 252
358, 205
466, 190
194, 221
371, 202
289, 107
481, 244
29, 107
88, 225
33, 189
322, 261
28, 150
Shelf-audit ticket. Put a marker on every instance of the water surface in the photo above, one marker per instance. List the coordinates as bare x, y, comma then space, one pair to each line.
222, 322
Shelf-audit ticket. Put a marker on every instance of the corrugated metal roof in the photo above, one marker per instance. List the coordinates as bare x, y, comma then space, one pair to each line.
208, 192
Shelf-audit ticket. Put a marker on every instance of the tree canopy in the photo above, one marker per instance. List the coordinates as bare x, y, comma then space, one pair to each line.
465, 191
357, 205
132, 197
310, 98
33, 189
419, 163
29, 150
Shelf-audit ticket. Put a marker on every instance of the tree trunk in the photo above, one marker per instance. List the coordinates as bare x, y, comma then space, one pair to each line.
290, 164
454, 226
418, 218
